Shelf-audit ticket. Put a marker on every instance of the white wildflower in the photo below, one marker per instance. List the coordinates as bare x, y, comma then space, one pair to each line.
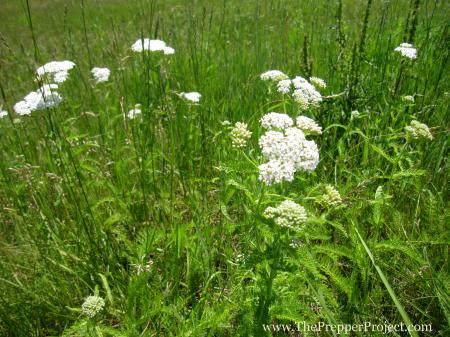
239, 135
284, 86
57, 70
3, 113
288, 214
191, 96
407, 50
303, 153
100, 74
288, 151
418, 130
152, 45
355, 114
44, 97
60, 77
305, 94
408, 99
308, 125
168, 50
331, 198
317, 82
276, 171
92, 306
22, 108
275, 120
134, 112
274, 75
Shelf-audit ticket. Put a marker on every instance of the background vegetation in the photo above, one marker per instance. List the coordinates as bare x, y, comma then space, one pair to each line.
162, 217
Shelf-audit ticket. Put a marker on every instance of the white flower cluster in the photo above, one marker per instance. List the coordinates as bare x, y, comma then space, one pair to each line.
407, 50
284, 86
92, 306
354, 114
58, 71
191, 96
273, 75
152, 45
286, 148
100, 74
305, 94
418, 130
44, 97
331, 197
308, 125
408, 99
275, 120
239, 135
288, 214
3, 113
134, 112
317, 82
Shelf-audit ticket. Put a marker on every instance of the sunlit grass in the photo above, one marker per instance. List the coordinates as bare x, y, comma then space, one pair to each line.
162, 213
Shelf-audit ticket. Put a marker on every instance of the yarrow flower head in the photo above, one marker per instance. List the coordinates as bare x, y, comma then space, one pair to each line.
308, 125
288, 151
407, 50
58, 71
3, 113
354, 114
240, 135
317, 82
191, 96
275, 120
133, 113
287, 214
305, 94
418, 130
331, 197
152, 45
100, 74
92, 306
44, 97
408, 99
273, 75
284, 86
276, 171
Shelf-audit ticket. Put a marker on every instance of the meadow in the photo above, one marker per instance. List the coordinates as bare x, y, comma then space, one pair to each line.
130, 205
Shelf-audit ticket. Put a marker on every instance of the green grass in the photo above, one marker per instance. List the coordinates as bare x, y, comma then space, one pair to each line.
88, 197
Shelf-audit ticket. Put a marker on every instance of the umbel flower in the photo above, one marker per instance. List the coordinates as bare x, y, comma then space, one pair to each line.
305, 94
92, 306
287, 214
100, 74
308, 125
153, 46
286, 148
418, 130
3, 113
58, 71
239, 135
284, 86
191, 96
317, 82
331, 197
275, 120
407, 50
134, 112
408, 99
273, 75
44, 97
